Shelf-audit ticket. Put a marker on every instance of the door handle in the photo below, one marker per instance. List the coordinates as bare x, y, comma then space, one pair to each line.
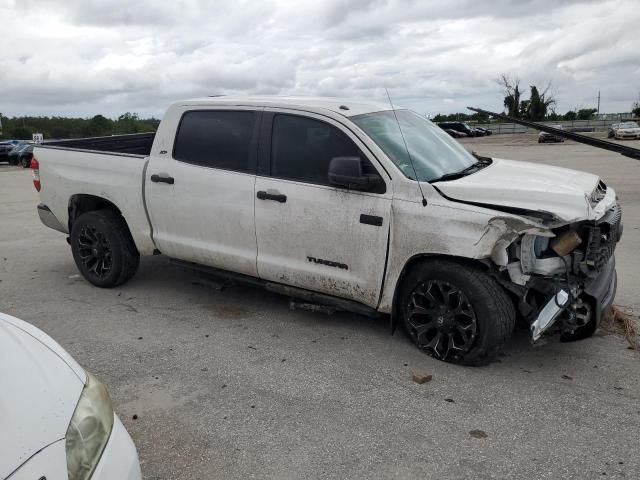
278, 197
371, 220
155, 178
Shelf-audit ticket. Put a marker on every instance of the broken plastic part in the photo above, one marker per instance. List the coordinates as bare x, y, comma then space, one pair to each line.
549, 314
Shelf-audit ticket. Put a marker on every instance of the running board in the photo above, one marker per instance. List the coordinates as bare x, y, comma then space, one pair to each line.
308, 296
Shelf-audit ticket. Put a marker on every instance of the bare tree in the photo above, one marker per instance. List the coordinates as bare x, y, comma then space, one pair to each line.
539, 103
535, 108
511, 89
547, 97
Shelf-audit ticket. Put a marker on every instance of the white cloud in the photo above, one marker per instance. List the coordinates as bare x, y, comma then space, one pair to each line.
79, 57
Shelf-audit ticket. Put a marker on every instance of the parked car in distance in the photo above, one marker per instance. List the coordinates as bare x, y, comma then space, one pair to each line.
484, 131
21, 155
461, 127
627, 130
330, 201
455, 133
611, 130
5, 148
56, 419
546, 137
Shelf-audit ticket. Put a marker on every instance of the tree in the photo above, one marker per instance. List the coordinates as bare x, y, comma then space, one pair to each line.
22, 133
570, 115
635, 108
452, 117
480, 117
533, 109
586, 113
537, 109
523, 111
127, 123
61, 127
539, 103
553, 116
511, 89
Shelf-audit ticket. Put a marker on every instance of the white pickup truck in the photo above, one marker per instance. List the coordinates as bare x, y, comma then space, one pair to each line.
348, 204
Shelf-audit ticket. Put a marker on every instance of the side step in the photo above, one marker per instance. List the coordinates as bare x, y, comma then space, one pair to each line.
322, 301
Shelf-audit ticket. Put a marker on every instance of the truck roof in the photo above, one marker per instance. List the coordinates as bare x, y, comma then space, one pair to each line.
336, 105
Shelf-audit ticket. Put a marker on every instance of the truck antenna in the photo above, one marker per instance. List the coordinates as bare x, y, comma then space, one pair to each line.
424, 200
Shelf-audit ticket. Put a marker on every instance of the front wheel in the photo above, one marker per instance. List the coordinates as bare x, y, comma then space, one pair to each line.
455, 312
103, 249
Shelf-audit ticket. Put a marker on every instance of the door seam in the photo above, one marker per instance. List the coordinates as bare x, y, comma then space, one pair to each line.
255, 223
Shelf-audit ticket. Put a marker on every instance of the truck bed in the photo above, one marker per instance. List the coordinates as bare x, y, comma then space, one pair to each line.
138, 144
109, 168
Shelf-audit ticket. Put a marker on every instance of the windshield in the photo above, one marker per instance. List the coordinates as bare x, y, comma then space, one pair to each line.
433, 151
628, 125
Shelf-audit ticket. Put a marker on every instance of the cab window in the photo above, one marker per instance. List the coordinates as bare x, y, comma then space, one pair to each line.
218, 139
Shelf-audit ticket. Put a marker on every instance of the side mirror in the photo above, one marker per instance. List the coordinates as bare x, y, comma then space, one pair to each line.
347, 172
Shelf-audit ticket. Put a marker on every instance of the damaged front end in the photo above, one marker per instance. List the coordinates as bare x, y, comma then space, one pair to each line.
564, 277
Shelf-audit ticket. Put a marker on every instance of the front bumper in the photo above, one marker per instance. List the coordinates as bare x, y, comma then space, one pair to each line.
119, 459
600, 293
49, 219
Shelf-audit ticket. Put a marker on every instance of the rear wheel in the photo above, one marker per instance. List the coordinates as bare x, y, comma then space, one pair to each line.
103, 249
455, 312
26, 162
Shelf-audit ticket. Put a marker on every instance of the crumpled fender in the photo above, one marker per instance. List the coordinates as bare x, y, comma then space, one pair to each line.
501, 232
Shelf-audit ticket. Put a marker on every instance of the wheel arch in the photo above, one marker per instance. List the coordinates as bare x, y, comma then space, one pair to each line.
417, 259
82, 203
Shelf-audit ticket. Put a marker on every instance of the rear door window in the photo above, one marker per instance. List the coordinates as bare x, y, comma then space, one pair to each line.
217, 139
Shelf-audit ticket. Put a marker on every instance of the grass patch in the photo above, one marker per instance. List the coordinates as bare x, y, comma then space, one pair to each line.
624, 322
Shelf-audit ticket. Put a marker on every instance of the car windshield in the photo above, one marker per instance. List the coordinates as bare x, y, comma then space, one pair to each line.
628, 125
433, 152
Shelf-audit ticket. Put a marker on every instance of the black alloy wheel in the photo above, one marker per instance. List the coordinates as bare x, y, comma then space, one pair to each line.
103, 248
95, 251
441, 320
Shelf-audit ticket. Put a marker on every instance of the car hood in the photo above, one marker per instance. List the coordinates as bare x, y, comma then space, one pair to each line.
40, 388
562, 192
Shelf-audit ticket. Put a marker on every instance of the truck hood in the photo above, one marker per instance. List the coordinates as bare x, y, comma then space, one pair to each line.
562, 192
41, 385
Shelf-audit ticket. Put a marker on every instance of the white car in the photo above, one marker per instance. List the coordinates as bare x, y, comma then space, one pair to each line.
627, 130
56, 420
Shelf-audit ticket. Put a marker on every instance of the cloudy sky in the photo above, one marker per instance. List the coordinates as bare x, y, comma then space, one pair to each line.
83, 57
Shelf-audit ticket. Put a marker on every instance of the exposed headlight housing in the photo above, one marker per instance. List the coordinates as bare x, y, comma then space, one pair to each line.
89, 430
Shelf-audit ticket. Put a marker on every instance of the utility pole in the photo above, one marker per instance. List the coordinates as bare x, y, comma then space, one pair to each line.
598, 102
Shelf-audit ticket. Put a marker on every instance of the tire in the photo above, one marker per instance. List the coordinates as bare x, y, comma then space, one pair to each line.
483, 311
103, 248
26, 162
